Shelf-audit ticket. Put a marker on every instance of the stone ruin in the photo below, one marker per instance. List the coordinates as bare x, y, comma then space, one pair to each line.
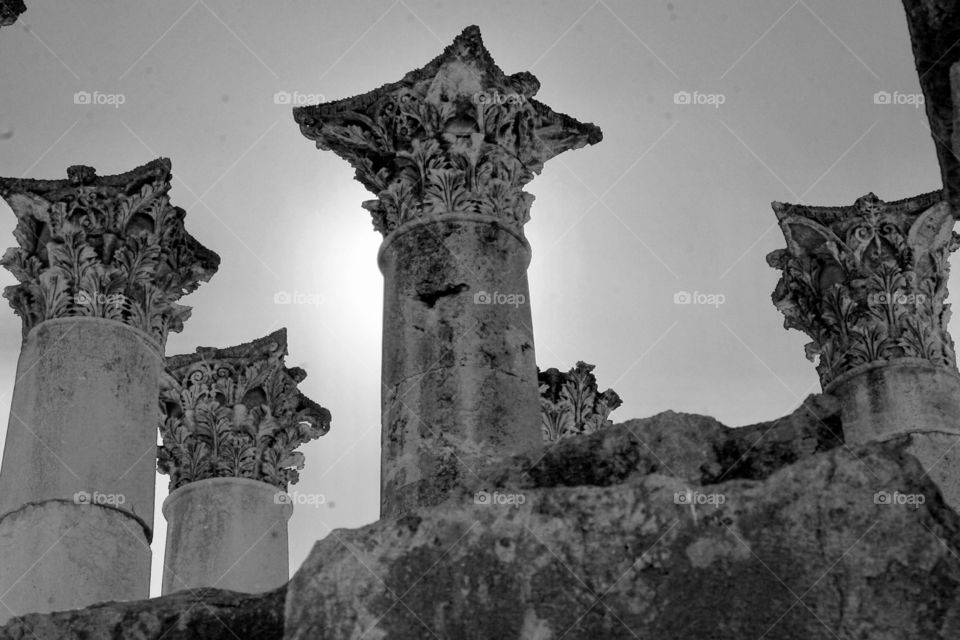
511, 507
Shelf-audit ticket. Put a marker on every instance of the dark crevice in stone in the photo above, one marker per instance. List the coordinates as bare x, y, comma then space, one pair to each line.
430, 299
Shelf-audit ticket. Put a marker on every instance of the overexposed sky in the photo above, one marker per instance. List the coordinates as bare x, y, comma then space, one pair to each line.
676, 198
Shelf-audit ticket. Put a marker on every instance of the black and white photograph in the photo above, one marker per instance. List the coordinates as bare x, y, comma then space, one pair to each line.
458, 320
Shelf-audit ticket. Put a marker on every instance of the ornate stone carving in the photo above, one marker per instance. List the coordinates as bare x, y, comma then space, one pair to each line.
455, 136
570, 403
110, 247
868, 282
10, 10
236, 412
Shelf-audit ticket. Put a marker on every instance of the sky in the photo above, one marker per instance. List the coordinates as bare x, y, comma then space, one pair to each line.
710, 111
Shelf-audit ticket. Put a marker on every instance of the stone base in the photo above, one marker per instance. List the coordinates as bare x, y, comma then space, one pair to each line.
897, 397
58, 555
228, 533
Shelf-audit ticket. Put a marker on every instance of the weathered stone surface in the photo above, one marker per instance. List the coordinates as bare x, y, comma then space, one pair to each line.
447, 150
81, 431
868, 282
755, 451
692, 447
572, 404
939, 454
10, 10
104, 246
61, 555
203, 614
459, 371
236, 413
229, 533
896, 397
604, 539
808, 553
101, 263
934, 31
455, 136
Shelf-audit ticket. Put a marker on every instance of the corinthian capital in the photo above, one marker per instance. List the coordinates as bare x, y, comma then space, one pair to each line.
456, 136
110, 247
572, 404
236, 412
867, 282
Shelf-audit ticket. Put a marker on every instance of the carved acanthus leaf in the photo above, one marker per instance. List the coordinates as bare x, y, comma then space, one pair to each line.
571, 404
867, 283
109, 247
236, 412
457, 136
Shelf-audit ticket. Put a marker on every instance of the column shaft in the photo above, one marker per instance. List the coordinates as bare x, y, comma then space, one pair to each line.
459, 368
228, 533
101, 263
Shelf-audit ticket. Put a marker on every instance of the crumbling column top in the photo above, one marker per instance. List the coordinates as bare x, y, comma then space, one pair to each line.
103, 246
867, 282
236, 412
455, 136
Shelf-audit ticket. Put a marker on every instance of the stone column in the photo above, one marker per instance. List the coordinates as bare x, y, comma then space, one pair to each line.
231, 421
447, 151
868, 284
101, 262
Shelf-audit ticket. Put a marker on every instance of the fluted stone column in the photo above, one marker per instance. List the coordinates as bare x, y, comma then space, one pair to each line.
101, 262
447, 151
868, 284
231, 421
